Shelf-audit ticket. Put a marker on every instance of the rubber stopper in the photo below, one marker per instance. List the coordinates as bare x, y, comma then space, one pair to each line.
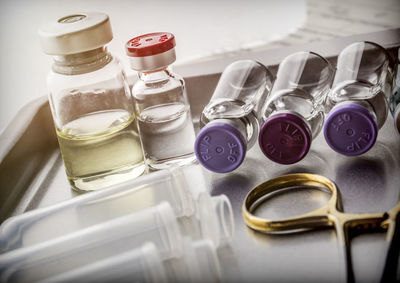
350, 129
285, 138
220, 147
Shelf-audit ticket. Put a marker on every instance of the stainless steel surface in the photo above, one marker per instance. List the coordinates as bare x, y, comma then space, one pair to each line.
32, 176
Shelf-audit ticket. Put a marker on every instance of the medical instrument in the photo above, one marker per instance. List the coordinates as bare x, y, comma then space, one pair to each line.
229, 123
162, 108
330, 215
199, 215
293, 113
91, 103
357, 103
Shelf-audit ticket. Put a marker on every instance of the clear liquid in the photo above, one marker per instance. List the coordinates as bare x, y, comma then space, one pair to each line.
167, 135
226, 108
240, 115
373, 98
101, 149
301, 106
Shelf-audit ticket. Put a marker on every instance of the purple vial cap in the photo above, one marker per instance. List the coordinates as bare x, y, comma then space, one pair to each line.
285, 138
350, 129
220, 147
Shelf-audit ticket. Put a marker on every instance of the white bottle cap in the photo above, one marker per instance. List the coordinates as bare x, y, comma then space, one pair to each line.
76, 33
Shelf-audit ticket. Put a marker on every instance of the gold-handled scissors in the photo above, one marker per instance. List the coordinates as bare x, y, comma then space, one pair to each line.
330, 215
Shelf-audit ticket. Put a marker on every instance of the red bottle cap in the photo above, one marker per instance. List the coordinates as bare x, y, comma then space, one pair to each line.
150, 44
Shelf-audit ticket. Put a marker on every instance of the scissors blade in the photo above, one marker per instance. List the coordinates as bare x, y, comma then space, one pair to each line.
392, 258
347, 266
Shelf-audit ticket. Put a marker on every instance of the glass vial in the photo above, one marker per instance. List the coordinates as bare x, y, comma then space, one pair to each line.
162, 107
358, 99
91, 103
394, 102
293, 114
229, 123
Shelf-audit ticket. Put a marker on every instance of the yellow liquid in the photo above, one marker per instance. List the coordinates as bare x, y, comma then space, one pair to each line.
101, 149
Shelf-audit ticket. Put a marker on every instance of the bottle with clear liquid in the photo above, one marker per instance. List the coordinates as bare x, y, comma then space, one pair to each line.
358, 99
162, 107
394, 102
91, 103
293, 114
229, 123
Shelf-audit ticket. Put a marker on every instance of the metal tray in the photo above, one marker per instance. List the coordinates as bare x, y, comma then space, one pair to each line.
32, 176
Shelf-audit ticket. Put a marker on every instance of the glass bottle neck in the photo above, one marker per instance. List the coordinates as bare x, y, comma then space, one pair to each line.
156, 75
80, 63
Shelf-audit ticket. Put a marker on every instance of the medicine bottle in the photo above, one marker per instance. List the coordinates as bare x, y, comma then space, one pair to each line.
293, 114
162, 107
229, 123
91, 103
358, 99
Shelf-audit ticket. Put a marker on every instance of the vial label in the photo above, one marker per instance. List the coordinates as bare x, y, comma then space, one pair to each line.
292, 131
351, 130
290, 137
360, 143
285, 138
340, 120
271, 149
207, 152
232, 152
205, 143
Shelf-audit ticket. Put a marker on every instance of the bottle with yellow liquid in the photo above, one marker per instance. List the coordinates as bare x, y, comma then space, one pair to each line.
91, 103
